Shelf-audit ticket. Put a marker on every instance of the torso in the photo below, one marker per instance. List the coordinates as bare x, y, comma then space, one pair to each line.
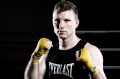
62, 64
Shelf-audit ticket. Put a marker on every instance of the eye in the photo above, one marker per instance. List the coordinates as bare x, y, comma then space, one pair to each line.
56, 21
67, 20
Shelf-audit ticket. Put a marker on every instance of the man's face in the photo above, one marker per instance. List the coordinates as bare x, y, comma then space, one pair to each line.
65, 23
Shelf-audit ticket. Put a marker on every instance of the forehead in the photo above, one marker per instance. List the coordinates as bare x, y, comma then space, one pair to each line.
64, 14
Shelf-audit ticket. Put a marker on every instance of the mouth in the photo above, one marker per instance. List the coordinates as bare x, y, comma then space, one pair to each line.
61, 32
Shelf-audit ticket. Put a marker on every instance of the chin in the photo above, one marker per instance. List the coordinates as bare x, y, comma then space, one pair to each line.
62, 37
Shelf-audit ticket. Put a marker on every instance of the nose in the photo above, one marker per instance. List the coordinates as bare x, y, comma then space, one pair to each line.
61, 25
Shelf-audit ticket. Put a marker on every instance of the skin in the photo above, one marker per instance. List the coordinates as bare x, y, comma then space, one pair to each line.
65, 24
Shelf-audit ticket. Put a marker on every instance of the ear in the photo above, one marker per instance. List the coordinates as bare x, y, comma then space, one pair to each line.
77, 22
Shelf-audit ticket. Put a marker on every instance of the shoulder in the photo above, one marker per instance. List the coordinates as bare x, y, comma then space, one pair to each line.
95, 53
91, 47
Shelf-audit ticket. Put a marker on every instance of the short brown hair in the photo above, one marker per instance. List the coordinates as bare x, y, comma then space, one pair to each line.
64, 5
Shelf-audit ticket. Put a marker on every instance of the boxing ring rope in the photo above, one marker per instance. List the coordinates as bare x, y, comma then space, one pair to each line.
102, 49
98, 31
109, 49
111, 67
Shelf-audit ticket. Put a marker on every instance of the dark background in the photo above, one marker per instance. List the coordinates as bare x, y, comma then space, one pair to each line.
23, 22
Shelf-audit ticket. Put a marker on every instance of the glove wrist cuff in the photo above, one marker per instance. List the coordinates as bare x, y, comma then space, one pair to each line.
94, 70
35, 57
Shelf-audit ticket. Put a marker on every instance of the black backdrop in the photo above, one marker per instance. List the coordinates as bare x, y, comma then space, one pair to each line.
23, 22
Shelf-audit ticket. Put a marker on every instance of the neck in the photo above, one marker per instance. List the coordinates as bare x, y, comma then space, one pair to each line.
68, 43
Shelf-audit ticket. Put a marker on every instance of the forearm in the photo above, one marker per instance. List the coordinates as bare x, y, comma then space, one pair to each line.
31, 71
36, 66
98, 74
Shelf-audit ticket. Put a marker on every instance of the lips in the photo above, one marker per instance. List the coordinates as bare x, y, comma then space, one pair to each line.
61, 32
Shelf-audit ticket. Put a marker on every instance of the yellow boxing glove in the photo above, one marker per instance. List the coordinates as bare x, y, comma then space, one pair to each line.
85, 58
43, 47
